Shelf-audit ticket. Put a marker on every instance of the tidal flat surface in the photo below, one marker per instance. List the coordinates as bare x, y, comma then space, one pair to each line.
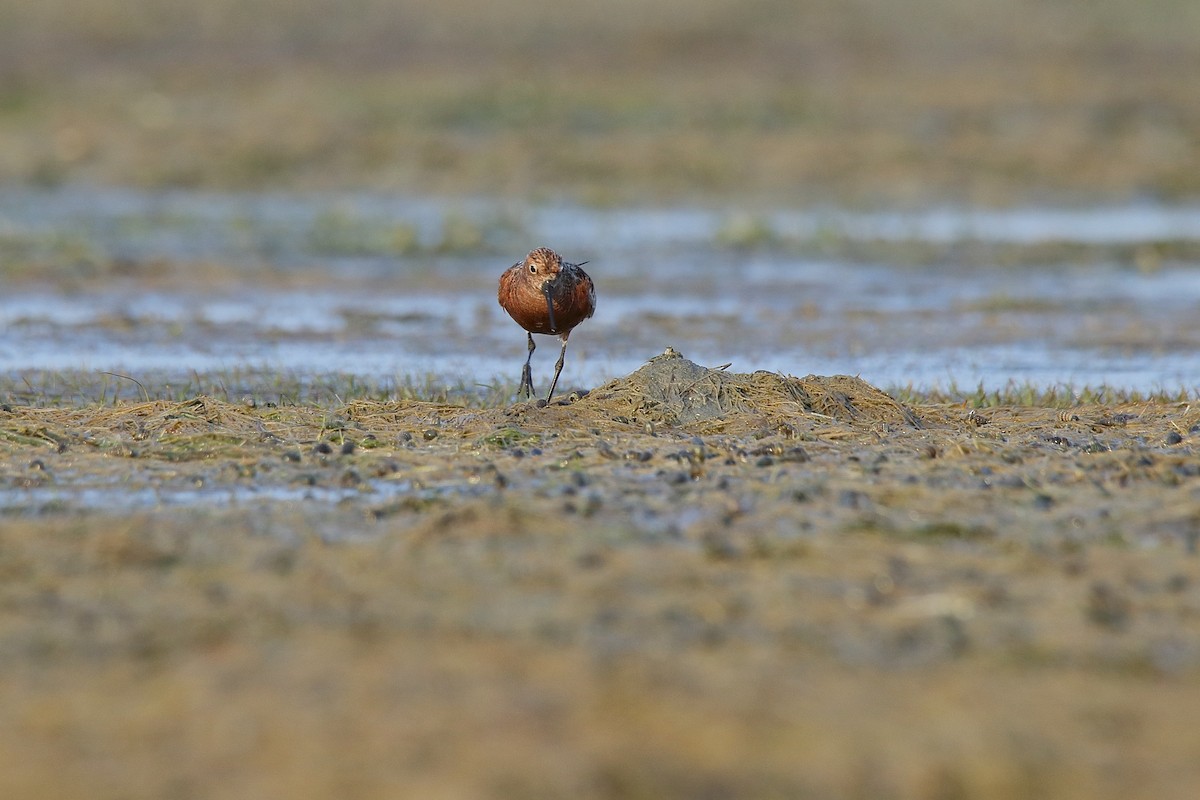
689, 582
271, 524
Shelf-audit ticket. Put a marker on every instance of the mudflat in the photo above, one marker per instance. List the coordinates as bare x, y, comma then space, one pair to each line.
686, 582
374, 577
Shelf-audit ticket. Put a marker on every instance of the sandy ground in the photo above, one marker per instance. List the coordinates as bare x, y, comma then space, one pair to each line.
687, 583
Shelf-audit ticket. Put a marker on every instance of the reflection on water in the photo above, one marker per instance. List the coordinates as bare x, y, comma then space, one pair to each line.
413, 305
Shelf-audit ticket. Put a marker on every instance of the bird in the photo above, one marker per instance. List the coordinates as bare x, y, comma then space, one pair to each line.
546, 295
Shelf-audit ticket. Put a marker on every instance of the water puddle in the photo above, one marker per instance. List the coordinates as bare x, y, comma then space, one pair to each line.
402, 289
141, 491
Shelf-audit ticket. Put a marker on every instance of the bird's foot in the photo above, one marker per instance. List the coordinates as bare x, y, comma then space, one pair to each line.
526, 389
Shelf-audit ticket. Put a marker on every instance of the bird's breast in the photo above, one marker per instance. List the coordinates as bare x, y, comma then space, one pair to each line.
571, 293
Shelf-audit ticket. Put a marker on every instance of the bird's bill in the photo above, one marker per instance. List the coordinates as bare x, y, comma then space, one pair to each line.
548, 291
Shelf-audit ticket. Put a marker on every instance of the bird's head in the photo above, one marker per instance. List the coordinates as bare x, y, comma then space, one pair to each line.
542, 266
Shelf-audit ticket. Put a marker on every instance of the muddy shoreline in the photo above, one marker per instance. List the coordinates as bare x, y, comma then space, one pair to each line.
271, 527
687, 581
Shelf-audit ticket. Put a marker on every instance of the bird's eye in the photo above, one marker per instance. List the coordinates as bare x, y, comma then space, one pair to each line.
533, 269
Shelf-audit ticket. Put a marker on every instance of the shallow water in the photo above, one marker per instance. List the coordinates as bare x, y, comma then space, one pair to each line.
148, 494
398, 289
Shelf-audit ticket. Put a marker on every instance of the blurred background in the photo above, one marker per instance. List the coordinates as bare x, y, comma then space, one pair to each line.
860, 101
724, 165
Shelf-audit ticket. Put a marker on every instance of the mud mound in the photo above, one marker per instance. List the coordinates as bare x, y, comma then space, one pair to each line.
672, 391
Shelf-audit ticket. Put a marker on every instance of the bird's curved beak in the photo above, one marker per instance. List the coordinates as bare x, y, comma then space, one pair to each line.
548, 291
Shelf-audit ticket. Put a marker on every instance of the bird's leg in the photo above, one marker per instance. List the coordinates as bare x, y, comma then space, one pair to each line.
527, 372
562, 354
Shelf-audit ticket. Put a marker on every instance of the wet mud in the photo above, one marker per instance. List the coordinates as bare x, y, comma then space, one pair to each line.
687, 581
271, 527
